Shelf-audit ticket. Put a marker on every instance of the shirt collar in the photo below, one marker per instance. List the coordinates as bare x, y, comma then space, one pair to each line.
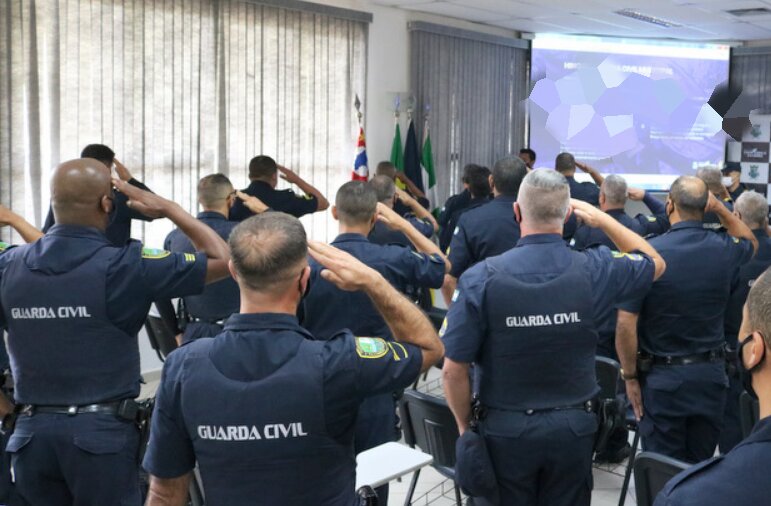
258, 183
265, 321
350, 237
540, 239
508, 199
211, 215
77, 231
615, 212
761, 432
688, 224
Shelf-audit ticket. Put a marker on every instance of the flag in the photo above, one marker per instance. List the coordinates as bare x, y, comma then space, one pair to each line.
397, 157
360, 170
427, 164
412, 158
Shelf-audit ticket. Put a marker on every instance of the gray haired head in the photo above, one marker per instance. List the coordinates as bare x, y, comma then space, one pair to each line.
753, 209
712, 177
544, 198
508, 173
614, 189
759, 306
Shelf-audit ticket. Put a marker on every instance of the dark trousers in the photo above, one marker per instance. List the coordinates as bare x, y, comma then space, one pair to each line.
83, 460
543, 459
731, 434
375, 425
683, 410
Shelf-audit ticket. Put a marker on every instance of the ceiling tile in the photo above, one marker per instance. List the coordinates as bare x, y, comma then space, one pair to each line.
456, 11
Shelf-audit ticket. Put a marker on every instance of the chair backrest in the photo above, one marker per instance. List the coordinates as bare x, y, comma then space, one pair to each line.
161, 337
652, 471
608, 371
749, 412
429, 424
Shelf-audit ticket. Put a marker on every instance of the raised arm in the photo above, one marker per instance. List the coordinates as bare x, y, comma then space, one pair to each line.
408, 324
203, 237
626, 347
732, 223
27, 231
624, 239
594, 173
290, 176
401, 176
418, 210
421, 243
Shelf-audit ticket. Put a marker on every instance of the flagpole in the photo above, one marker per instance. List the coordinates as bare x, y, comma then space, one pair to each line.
360, 169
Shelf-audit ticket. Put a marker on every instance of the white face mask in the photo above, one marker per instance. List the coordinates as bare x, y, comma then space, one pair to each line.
727, 181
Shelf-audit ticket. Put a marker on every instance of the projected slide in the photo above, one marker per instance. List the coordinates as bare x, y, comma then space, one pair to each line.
627, 106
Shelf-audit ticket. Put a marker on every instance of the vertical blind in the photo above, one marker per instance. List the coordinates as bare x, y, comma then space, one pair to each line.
751, 70
472, 87
179, 89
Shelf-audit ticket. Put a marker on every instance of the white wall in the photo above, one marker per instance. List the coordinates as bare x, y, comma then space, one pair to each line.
389, 66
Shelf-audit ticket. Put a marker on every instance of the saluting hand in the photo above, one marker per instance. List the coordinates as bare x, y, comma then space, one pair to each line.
713, 204
121, 170
342, 269
587, 213
252, 203
635, 194
288, 175
147, 203
388, 216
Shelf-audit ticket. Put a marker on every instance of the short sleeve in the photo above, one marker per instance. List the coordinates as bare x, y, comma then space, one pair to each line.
653, 224
169, 275
459, 252
300, 205
420, 268
424, 227
465, 325
739, 250
621, 279
170, 451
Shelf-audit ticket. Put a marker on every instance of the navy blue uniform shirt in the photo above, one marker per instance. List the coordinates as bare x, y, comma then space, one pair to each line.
537, 259
483, 232
682, 314
446, 233
586, 191
258, 351
742, 282
452, 204
119, 229
218, 300
643, 225
740, 477
327, 309
285, 201
711, 221
44, 359
381, 234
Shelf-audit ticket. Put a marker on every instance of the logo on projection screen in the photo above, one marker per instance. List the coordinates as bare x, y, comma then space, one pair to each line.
755, 152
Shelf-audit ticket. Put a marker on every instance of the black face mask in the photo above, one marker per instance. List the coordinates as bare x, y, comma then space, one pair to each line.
744, 373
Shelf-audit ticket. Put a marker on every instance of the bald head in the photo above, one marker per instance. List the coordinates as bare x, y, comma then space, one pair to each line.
81, 193
544, 198
753, 209
689, 195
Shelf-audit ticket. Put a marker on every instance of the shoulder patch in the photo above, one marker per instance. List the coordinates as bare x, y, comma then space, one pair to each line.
155, 254
736, 240
631, 256
371, 347
3, 246
443, 328
307, 197
652, 219
455, 232
455, 295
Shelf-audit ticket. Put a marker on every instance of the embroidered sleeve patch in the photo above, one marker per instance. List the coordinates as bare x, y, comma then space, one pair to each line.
155, 254
631, 256
3, 246
371, 347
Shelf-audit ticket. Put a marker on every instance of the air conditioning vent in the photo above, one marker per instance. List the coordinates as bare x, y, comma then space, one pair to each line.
639, 16
746, 13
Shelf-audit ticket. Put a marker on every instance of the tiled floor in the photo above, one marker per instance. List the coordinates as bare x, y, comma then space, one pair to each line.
434, 489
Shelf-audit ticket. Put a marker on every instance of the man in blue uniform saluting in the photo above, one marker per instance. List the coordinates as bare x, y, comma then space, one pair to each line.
73, 304
526, 320
267, 411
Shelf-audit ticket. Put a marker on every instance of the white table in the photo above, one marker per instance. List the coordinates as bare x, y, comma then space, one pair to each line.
381, 464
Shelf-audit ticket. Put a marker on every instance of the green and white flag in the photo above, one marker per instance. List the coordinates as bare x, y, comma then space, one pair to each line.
429, 176
397, 153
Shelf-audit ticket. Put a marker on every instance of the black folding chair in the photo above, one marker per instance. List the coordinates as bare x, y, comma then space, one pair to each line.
436, 315
161, 337
608, 372
631, 426
652, 471
749, 412
428, 423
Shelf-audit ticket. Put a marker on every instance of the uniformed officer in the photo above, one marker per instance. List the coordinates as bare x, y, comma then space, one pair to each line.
263, 174
73, 304
327, 309
752, 208
713, 179
528, 156
489, 229
525, 319
741, 476
118, 229
265, 410
613, 196
403, 182
476, 179
206, 312
389, 195
566, 165
734, 171
682, 362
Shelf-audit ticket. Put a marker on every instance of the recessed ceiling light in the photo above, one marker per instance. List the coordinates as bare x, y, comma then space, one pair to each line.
639, 16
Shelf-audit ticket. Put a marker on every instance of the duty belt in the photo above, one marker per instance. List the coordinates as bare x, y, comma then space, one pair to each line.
697, 358
127, 409
589, 406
